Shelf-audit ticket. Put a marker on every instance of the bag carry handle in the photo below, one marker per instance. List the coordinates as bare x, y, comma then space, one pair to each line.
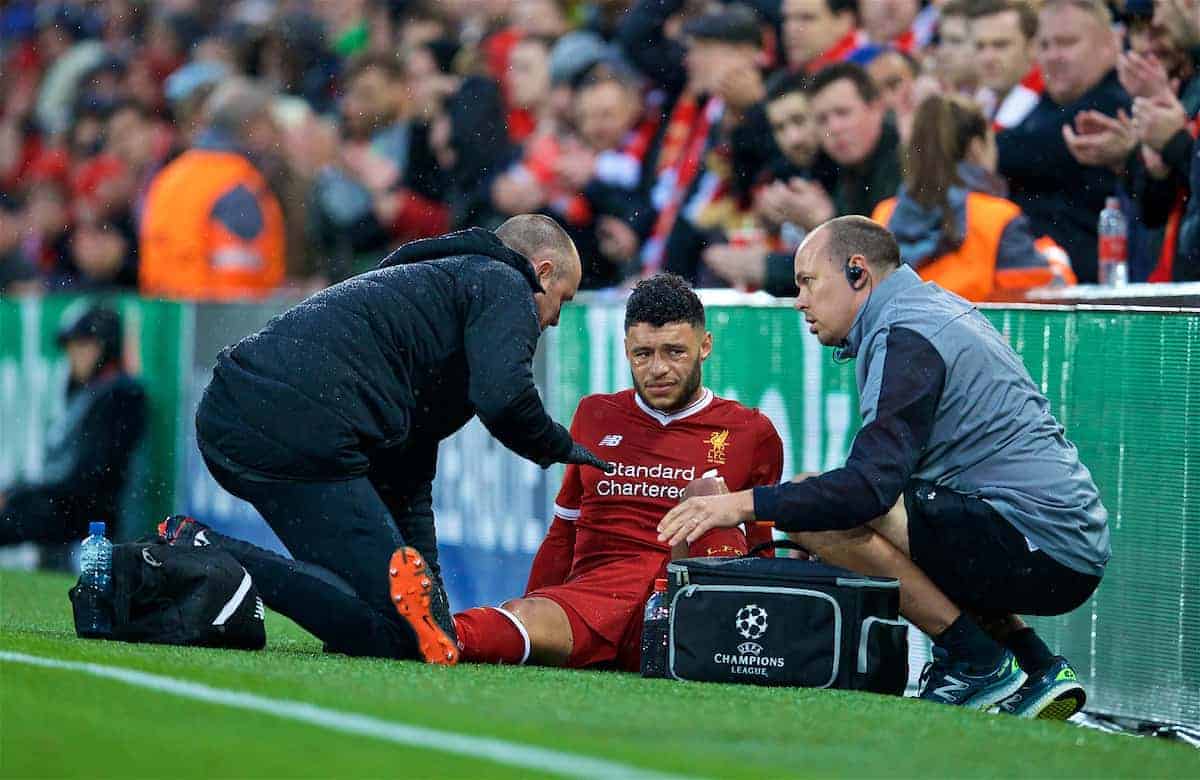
774, 544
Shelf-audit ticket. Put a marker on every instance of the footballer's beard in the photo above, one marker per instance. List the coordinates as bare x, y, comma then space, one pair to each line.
689, 388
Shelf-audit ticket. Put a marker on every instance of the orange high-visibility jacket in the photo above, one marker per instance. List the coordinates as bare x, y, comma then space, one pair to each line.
971, 271
211, 230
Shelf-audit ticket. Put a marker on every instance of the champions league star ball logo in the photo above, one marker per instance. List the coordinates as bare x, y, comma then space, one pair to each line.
751, 621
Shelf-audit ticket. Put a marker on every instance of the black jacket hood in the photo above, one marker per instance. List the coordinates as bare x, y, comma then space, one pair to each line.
472, 241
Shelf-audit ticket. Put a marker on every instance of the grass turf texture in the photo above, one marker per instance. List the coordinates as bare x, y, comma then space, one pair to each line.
56, 723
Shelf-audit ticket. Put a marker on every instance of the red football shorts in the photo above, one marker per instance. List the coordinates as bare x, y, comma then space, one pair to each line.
604, 598
605, 595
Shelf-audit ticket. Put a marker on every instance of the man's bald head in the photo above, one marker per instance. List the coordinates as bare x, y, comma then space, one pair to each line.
845, 237
553, 255
537, 236
837, 267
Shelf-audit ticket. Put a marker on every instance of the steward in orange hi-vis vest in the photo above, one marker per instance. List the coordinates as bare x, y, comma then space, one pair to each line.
212, 229
997, 258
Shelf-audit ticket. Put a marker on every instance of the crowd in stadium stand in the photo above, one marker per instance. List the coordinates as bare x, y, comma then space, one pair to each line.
235, 149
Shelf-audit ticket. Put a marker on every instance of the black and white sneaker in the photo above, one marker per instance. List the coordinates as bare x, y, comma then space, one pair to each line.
950, 681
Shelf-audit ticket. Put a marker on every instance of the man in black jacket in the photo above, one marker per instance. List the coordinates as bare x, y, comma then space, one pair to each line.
1051, 160
328, 420
88, 453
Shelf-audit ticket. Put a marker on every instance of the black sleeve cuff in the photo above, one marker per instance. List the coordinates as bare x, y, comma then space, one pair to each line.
767, 509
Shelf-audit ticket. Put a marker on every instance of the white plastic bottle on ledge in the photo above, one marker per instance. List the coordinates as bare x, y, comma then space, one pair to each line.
1113, 255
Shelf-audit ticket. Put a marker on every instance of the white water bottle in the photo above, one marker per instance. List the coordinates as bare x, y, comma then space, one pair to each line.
94, 615
1113, 255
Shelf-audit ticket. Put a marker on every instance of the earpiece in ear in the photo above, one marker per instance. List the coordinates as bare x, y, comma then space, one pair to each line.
854, 275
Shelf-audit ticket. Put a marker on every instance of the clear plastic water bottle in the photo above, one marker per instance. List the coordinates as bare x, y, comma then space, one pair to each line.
1113, 256
654, 632
95, 584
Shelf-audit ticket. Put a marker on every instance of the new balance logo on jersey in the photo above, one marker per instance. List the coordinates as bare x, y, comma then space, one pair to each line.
611, 440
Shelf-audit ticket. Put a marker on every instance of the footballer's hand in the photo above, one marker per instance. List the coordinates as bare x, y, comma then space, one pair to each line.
695, 516
582, 456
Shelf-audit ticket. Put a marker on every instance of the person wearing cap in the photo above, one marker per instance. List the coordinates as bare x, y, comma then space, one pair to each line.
712, 80
86, 461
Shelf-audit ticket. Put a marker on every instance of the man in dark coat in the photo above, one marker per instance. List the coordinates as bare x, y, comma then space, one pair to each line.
88, 451
328, 420
1061, 195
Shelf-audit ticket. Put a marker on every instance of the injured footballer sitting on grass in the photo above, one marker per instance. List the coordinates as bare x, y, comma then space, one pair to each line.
583, 605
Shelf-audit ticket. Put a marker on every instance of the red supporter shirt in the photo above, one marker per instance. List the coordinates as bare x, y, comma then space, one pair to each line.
657, 455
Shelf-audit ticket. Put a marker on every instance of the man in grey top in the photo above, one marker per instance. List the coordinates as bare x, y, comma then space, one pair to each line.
960, 483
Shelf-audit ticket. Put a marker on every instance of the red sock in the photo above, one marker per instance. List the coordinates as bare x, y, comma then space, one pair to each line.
724, 542
487, 635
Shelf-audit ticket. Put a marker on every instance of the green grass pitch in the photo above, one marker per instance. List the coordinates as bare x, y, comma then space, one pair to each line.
63, 723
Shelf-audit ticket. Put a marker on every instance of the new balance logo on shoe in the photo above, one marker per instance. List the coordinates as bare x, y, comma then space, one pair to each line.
611, 440
951, 687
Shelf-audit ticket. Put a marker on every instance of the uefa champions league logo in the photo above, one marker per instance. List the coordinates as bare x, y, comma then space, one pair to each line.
751, 621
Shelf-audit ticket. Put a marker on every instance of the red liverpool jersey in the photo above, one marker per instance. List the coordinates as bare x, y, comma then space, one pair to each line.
656, 456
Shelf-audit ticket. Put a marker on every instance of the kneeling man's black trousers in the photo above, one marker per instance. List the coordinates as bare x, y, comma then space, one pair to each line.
341, 536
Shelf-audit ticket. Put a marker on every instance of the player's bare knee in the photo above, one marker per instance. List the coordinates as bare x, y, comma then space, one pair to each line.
549, 630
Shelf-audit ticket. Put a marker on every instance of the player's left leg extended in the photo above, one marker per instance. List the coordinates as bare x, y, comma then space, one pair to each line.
533, 630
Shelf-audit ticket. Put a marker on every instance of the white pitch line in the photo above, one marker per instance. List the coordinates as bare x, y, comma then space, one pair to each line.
486, 748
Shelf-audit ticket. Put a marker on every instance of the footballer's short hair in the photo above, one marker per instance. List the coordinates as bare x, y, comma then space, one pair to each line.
662, 299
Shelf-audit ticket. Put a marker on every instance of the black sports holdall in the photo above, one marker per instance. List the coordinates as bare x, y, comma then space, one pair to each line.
182, 596
783, 621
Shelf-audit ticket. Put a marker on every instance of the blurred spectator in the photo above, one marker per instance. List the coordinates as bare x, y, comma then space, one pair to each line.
1005, 32
858, 135
101, 257
951, 219
68, 56
87, 455
187, 90
470, 139
17, 274
141, 144
1074, 134
894, 74
540, 18
890, 23
1165, 87
715, 82
609, 168
572, 57
212, 228
954, 58
1159, 72
817, 33
527, 87
382, 183
784, 202
293, 59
